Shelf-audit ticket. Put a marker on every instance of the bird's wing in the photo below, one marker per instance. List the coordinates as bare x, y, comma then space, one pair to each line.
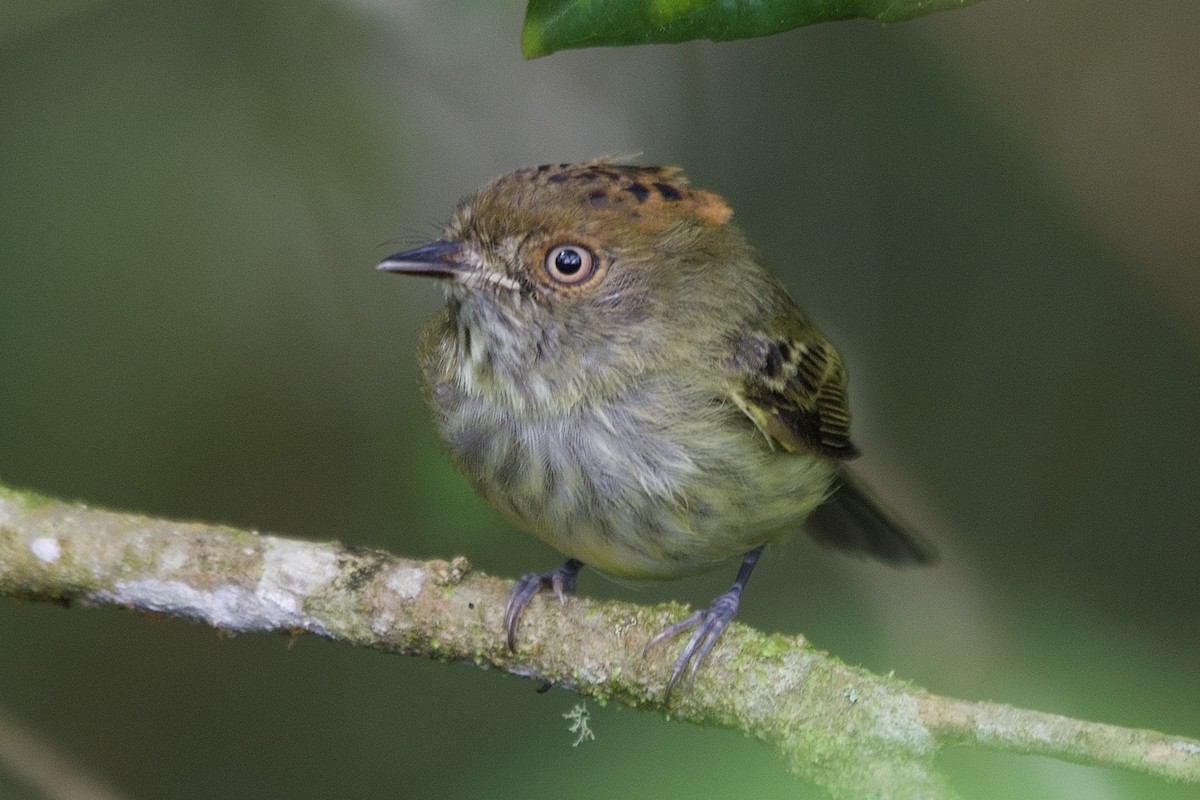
793, 386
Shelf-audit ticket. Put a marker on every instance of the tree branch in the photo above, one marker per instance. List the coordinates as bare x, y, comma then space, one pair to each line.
857, 734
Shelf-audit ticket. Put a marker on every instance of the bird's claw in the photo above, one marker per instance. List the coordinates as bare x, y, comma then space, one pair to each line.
709, 623
561, 581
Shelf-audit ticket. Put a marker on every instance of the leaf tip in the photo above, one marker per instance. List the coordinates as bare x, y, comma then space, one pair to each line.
532, 43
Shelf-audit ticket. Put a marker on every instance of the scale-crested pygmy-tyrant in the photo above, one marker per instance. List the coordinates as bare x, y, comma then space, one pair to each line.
617, 372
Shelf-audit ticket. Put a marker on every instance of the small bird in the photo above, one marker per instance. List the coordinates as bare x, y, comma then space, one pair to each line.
618, 373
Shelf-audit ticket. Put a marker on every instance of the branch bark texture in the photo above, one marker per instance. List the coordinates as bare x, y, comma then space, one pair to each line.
857, 734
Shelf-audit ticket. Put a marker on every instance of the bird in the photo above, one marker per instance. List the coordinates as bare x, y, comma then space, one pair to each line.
619, 374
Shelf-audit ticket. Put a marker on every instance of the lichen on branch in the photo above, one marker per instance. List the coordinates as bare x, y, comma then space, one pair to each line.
857, 734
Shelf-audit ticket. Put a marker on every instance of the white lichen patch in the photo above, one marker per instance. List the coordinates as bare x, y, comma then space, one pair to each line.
293, 570
46, 548
897, 718
405, 582
382, 623
588, 673
173, 558
228, 607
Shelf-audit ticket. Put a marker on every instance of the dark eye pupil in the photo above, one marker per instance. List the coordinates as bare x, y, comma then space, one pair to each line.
568, 261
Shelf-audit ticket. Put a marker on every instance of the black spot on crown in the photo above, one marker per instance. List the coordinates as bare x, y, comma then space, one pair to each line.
598, 172
668, 191
662, 192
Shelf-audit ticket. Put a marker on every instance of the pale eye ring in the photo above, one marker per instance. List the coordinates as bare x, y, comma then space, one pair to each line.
570, 264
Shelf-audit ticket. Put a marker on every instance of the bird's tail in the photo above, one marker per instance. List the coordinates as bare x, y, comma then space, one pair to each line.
854, 519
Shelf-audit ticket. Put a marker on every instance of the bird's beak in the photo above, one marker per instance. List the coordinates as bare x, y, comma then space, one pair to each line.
438, 259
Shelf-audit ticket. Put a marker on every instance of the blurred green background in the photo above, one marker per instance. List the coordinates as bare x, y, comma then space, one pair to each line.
992, 212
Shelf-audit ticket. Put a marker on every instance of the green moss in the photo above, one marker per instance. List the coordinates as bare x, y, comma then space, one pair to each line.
29, 501
774, 646
238, 535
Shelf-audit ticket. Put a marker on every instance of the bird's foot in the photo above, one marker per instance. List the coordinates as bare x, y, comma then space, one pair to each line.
709, 623
561, 580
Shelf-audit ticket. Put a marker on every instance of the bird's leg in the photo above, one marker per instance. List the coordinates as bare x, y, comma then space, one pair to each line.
709, 623
561, 580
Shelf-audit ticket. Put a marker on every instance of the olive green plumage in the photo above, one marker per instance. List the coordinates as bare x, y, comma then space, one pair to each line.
617, 372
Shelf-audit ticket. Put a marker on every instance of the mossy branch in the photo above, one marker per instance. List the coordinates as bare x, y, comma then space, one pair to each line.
857, 734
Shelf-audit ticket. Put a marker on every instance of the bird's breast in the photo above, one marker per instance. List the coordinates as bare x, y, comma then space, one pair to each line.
661, 480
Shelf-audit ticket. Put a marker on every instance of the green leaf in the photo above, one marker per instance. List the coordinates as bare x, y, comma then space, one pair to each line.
552, 25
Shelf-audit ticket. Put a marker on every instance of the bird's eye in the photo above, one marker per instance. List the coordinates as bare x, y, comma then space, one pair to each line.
570, 264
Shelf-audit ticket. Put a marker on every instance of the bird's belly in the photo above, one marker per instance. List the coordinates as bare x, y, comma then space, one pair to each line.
633, 491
